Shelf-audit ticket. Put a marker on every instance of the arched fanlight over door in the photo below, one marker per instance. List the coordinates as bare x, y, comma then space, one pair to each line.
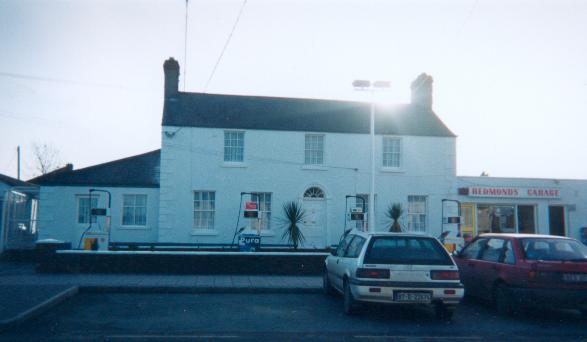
314, 192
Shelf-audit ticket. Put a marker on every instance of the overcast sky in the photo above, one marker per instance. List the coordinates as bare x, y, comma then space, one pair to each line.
510, 77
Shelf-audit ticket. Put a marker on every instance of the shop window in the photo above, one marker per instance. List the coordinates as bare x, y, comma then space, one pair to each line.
496, 219
526, 219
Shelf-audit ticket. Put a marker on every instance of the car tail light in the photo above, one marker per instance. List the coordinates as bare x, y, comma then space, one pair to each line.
376, 273
444, 275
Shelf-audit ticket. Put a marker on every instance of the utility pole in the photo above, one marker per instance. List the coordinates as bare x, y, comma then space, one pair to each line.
18, 162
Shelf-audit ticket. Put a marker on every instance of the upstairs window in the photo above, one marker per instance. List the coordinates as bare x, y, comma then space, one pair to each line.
391, 152
314, 149
134, 210
234, 146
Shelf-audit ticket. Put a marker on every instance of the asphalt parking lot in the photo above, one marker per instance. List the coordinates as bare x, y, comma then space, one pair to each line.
118, 317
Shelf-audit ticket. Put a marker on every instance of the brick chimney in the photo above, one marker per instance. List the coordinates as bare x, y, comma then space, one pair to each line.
171, 69
422, 91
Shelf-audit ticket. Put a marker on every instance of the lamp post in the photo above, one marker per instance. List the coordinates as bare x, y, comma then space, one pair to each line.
366, 85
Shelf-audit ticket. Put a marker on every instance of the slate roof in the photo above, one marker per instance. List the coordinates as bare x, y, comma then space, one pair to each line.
296, 114
13, 181
140, 171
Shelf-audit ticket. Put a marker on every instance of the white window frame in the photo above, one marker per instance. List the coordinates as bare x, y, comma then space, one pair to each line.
134, 210
235, 147
264, 220
87, 215
313, 152
197, 224
387, 155
417, 220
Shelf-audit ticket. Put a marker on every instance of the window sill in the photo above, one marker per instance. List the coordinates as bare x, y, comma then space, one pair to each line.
134, 228
233, 165
314, 167
264, 233
205, 232
392, 170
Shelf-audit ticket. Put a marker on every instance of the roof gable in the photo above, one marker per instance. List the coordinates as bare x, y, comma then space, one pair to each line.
13, 181
136, 171
295, 114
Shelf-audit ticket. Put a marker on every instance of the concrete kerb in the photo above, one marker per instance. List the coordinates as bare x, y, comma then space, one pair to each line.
39, 308
198, 289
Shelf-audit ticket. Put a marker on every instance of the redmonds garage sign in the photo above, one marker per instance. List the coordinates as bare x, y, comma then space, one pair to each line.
510, 192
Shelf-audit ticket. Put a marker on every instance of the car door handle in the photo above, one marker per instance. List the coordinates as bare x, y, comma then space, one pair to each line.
337, 260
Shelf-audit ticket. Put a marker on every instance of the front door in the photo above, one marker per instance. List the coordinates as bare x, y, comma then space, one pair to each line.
468, 223
314, 223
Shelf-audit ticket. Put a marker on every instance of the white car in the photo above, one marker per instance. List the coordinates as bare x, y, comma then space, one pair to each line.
394, 268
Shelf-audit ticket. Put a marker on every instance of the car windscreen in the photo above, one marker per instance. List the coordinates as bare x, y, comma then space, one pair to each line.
554, 249
404, 250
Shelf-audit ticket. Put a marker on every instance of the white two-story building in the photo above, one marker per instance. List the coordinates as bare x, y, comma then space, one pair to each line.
220, 151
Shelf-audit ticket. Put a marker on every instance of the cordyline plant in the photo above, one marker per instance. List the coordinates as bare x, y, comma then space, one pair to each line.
394, 212
293, 216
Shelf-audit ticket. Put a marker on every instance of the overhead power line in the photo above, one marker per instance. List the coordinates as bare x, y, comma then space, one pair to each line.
58, 80
225, 45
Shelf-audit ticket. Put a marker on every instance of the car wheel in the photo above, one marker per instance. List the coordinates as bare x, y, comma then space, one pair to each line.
350, 304
444, 312
326, 286
503, 299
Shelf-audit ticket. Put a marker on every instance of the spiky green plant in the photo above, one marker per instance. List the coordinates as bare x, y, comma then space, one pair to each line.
293, 216
394, 212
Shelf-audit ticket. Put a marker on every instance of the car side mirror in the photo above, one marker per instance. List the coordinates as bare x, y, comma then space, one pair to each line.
333, 251
456, 254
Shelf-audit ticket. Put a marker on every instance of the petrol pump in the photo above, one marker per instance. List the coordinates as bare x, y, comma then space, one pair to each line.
97, 236
450, 233
250, 239
356, 213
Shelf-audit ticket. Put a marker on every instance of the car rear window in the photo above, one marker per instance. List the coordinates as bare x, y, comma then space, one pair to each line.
554, 249
406, 250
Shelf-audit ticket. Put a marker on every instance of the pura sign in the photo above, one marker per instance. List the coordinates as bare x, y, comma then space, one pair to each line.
510, 192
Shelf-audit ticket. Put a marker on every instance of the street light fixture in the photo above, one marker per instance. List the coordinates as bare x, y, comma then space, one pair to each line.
371, 86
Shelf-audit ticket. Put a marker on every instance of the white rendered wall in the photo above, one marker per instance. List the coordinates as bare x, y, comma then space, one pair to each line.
192, 160
58, 214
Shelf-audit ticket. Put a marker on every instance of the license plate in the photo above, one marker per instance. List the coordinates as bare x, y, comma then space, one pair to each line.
575, 277
412, 297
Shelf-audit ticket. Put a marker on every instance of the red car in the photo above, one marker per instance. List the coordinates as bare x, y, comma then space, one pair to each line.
525, 269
